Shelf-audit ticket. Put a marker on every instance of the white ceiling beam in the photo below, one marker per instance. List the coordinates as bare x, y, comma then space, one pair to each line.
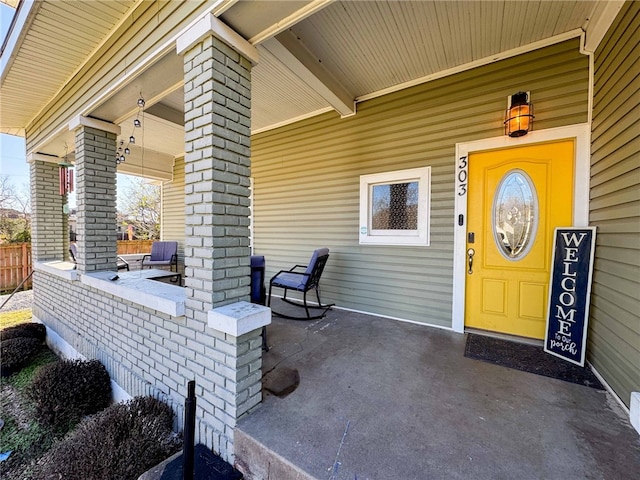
296, 57
602, 17
42, 157
150, 102
82, 121
296, 17
148, 164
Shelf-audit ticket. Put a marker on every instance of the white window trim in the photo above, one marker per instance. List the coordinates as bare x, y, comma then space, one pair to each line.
419, 237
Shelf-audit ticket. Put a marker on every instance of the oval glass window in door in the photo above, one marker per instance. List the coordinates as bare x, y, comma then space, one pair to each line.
515, 215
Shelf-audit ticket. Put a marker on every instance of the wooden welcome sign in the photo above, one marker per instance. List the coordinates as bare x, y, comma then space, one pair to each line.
569, 293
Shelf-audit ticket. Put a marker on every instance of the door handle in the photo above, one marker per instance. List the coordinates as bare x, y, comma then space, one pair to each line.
470, 253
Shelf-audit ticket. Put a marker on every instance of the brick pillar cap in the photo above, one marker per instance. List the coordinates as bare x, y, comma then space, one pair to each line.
82, 121
239, 318
210, 25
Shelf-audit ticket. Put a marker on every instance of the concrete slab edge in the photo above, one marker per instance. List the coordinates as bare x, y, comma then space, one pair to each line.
257, 462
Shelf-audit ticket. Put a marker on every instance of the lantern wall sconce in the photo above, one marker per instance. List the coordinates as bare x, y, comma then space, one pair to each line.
519, 115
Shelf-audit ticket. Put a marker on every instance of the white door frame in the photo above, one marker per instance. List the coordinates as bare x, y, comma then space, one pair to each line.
580, 133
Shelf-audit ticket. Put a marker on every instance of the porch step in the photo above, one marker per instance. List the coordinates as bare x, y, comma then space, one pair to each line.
257, 462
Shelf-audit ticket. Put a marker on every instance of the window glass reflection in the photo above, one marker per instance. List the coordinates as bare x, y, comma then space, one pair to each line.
515, 215
395, 206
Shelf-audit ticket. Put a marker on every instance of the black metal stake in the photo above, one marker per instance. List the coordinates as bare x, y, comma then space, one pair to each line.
189, 431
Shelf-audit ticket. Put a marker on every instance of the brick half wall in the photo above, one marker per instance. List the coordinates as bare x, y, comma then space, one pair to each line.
146, 352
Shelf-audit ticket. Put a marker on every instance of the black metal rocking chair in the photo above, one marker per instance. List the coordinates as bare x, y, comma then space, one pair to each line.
302, 282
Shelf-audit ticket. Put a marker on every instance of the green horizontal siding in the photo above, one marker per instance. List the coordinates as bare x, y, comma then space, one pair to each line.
172, 218
614, 327
306, 177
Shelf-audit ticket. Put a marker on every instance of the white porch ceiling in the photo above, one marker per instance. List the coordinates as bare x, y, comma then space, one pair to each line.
59, 37
315, 56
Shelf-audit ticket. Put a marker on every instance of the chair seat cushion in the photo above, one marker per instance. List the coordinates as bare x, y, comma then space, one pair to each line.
296, 281
157, 262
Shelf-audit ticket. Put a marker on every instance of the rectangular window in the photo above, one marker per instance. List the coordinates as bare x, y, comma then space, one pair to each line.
394, 207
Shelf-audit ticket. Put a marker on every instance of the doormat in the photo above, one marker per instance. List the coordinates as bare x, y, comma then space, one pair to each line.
527, 358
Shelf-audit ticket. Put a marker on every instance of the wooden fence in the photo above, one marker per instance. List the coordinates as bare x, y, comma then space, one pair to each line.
15, 266
15, 261
134, 246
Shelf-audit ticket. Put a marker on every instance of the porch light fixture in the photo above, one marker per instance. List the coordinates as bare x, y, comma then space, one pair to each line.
519, 115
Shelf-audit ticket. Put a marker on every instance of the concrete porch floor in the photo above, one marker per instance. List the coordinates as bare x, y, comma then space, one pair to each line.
382, 399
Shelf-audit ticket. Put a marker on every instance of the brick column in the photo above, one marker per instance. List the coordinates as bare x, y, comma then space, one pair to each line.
217, 89
96, 198
237, 378
217, 142
49, 240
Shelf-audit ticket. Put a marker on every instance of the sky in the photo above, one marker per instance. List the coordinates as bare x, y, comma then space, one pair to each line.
13, 162
12, 150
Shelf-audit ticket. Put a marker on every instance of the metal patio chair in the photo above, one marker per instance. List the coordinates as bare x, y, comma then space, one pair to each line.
162, 254
302, 281
121, 263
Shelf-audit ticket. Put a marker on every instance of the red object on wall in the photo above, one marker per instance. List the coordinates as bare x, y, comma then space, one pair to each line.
66, 179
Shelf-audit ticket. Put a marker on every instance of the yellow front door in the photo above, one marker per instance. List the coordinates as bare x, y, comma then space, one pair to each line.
517, 196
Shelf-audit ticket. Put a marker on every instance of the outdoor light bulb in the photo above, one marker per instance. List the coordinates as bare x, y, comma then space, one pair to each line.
122, 158
141, 102
132, 139
117, 161
121, 142
136, 123
120, 149
127, 151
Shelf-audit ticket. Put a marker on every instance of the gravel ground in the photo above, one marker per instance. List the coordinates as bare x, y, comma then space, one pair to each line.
19, 301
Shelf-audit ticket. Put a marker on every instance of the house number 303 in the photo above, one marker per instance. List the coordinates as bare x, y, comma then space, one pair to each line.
462, 176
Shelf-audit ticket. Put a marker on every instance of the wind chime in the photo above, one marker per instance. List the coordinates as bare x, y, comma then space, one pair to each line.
65, 174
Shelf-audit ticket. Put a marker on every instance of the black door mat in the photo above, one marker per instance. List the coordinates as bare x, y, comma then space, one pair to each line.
527, 358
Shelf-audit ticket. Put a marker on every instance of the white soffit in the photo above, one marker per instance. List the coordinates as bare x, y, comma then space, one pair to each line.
156, 134
58, 40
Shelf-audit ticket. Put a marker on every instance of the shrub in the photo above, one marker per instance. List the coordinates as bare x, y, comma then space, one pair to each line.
25, 330
121, 442
16, 351
65, 391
